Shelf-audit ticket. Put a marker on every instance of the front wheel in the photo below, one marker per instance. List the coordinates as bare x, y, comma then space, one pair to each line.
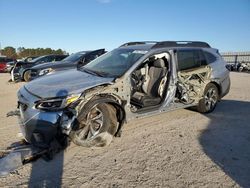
97, 128
210, 98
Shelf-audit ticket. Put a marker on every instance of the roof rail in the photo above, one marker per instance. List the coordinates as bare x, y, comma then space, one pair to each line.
181, 44
138, 43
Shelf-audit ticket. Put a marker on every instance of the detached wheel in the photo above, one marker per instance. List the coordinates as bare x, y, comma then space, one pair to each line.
209, 101
97, 128
26, 76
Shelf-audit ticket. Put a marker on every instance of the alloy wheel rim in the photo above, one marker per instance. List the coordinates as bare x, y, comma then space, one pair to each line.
91, 125
210, 99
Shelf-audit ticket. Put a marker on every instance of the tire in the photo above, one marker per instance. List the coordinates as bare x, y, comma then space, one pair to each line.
210, 98
26, 76
96, 128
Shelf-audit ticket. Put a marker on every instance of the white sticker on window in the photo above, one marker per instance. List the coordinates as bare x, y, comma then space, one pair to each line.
140, 51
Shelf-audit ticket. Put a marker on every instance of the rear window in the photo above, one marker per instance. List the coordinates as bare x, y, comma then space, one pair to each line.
190, 59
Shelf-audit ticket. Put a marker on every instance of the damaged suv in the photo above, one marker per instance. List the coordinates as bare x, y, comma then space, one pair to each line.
89, 105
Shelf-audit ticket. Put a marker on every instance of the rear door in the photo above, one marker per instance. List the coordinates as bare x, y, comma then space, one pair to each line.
193, 74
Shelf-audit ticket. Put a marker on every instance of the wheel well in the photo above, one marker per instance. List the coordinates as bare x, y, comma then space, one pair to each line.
218, 87
25, 72
120, 112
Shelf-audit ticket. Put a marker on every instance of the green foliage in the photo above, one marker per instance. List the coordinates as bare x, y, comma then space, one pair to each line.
21, 52
9, 52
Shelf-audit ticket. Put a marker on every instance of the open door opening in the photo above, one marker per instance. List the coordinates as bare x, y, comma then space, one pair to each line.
149, 82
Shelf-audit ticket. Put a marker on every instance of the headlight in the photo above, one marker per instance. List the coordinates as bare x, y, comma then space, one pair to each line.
45, 71
57, 104
71, 99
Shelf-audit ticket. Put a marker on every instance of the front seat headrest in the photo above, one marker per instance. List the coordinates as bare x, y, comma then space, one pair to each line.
159, 63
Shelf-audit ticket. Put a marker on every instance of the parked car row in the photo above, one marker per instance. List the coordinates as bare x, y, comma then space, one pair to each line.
34, 67
239, 66
90, 104
4, 62
21, 69
73, 61
10, 65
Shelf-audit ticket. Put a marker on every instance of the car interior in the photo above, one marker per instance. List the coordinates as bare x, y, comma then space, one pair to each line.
149, 81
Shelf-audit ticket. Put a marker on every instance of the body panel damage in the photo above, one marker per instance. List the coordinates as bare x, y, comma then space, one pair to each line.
149, 82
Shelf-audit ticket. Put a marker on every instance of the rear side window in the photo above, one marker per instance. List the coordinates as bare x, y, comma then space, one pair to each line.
59, 58
44, 59
90, 57
189, 59
210, 57
51, 58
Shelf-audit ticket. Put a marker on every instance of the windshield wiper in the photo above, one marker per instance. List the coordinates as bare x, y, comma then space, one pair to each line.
103, 74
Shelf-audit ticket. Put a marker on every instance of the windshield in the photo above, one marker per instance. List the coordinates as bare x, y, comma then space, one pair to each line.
115, 63
74, 57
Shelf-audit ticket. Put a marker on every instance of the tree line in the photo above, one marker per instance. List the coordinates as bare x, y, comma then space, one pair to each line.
22, 52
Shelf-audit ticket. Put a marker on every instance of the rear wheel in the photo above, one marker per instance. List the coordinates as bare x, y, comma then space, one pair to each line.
26, 76
97, 128
209, 101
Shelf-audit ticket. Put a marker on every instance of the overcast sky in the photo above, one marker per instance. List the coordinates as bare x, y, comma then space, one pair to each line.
76, 25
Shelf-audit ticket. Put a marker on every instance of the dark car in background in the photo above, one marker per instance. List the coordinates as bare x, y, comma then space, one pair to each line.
21, 70
73, 61
3, 63
10, 65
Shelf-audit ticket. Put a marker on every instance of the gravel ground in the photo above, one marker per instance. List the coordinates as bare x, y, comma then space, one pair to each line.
182, 148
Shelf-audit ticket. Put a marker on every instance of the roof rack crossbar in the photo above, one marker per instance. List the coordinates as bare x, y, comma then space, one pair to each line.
181, 44
138, 43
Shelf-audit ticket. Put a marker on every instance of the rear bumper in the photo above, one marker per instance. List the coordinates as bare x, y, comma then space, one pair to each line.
225, 86
2, 67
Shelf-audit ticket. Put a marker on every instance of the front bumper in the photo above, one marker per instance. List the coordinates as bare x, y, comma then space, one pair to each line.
38, 127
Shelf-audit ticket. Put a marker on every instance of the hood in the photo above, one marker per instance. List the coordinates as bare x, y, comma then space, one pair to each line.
64, 83
46, 65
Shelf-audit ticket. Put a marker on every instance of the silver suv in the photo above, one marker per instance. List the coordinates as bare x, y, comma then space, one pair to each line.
90, 105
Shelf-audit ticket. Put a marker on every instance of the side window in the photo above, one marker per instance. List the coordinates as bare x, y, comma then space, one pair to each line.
90, 57
188, 59
59, 58
210, 57
202, 58
93, 55
52, 58
44, 60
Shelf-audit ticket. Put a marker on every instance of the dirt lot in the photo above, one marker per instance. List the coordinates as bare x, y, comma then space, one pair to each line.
177, 149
